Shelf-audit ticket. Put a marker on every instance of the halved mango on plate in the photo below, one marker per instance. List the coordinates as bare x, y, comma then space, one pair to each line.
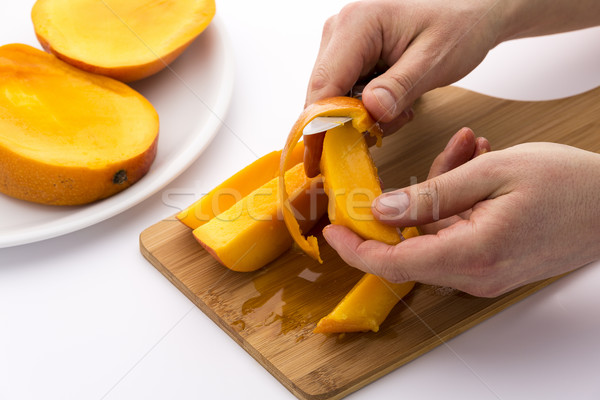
67, 136
124, 39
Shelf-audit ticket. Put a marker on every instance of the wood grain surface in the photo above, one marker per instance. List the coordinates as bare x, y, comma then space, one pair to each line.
271, 312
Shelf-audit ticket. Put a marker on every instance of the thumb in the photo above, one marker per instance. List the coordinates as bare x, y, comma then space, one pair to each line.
388, 95
441, 197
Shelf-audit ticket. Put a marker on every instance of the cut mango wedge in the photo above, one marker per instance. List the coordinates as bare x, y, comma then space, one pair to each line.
367, 304
351, 182
222, 197
252, 233
334, 107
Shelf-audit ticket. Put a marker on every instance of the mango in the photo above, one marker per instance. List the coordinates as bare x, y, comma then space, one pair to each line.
233, 189
251, 233
333, 107
124, 39
351, 182
367, 304
67, 136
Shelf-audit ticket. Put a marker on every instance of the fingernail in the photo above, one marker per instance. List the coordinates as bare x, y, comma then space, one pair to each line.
385, 100
392, 204
327, 234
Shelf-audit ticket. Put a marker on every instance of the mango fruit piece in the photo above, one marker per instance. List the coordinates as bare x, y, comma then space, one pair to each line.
232, 190
351, 182
367, 304
124, 39
251, 233
67, 136
333, 107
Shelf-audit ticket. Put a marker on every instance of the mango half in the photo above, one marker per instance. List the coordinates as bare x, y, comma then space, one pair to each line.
124, 39
69, 137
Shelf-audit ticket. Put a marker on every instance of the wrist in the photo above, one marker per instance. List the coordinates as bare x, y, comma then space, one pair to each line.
515, 19
526, 18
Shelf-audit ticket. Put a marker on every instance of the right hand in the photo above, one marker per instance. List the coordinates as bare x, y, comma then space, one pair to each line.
426, 43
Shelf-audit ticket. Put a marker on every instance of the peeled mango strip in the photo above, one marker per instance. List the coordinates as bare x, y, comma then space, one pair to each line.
351, 182
236, 187
367, 304
330, 107
250, 234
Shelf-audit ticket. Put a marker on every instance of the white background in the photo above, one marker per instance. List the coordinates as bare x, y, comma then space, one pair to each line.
85, 316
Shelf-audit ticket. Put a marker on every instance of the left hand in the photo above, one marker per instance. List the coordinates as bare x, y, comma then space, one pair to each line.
497, 222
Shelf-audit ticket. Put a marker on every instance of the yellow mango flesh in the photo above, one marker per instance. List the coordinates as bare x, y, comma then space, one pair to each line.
351, 182
125, 39
367, 304
330, 107
68, 136
252, 233
239, 185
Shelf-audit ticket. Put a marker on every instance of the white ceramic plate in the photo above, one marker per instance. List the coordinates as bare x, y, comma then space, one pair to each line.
191, 97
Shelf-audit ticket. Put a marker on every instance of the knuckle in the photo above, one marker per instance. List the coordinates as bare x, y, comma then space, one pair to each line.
352, 9
391, 271
428, 198
329, 25
322, 83
394, 274
320, 78
403, 84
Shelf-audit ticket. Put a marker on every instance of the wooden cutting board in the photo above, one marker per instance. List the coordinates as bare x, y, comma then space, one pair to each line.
271, 312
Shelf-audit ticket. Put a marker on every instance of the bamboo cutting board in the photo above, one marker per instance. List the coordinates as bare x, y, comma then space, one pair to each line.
271, 312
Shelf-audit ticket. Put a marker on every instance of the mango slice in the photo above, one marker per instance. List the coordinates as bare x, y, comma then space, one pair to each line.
67, 136
367, 304
251, 233
124, 39
351, 182
239, 185
334, 107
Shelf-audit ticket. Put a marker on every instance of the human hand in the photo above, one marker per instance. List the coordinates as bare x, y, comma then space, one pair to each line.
501, 220
426, 44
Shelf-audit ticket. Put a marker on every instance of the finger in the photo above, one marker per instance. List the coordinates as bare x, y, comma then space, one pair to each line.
482, 145
351, 50
441, 197
313, 148
458, 151
405, 117
390, 93
365, 255
451, 259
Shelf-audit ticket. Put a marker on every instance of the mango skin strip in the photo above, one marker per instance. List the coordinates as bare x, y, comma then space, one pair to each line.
330, 107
